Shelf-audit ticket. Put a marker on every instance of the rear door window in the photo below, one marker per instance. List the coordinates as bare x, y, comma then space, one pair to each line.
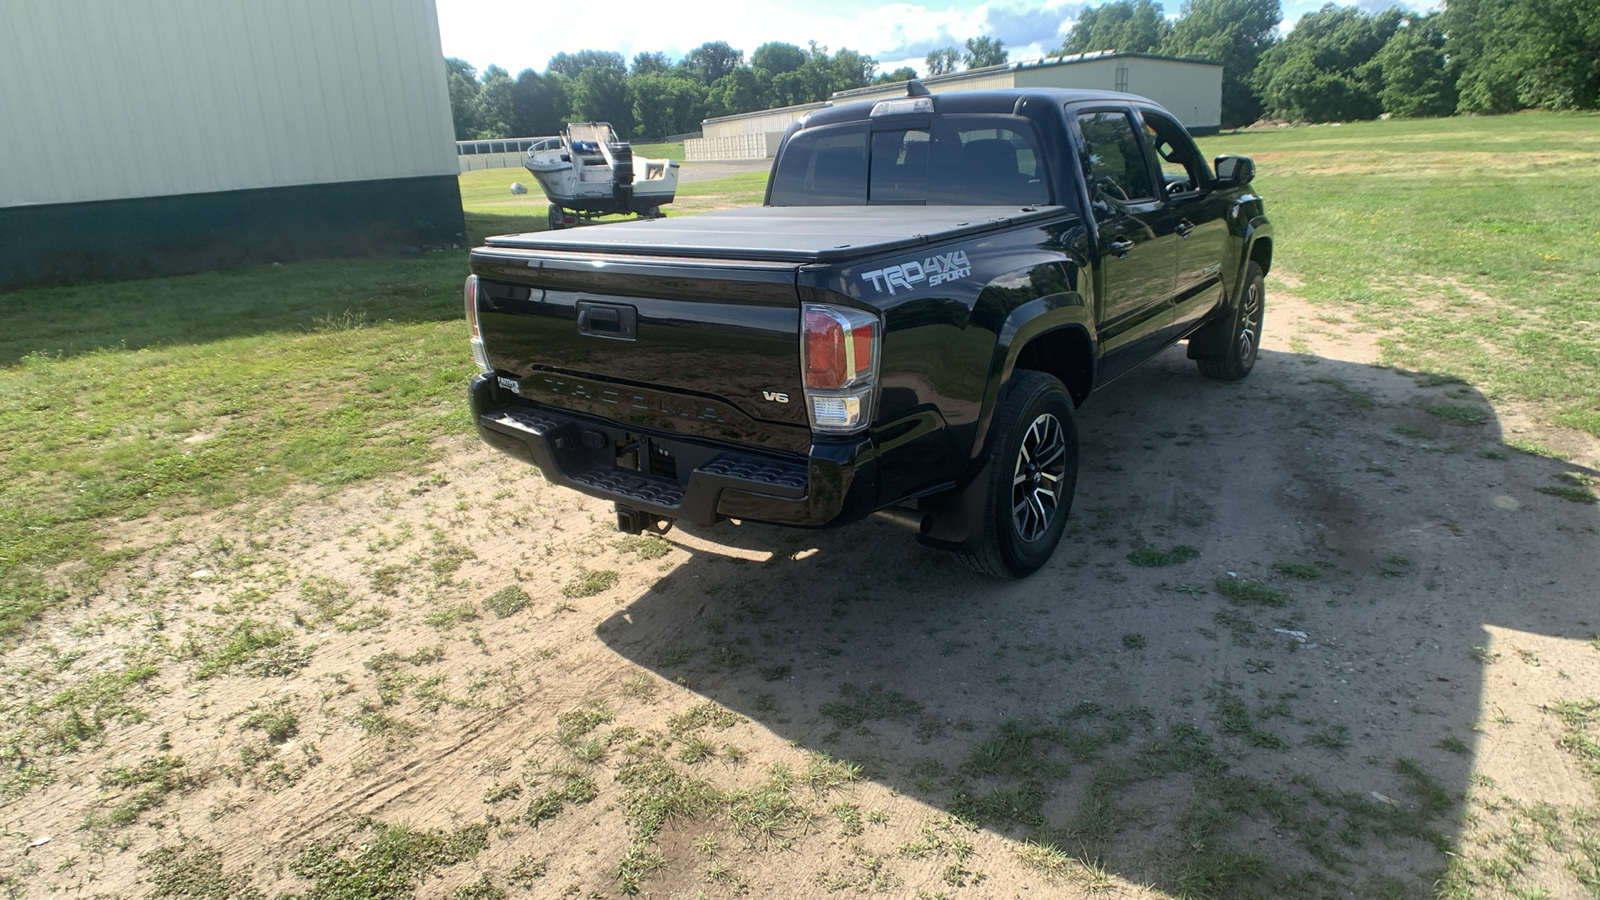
1112, 161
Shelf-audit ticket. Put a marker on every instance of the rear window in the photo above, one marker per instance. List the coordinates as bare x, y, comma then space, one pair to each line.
955, 161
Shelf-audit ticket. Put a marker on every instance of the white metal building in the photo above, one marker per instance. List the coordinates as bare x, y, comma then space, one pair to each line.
145, 136
1190, 89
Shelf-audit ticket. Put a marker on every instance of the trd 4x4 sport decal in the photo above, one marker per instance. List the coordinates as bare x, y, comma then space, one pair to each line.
907, 276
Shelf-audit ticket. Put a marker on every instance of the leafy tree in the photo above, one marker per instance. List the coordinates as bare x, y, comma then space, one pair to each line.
807, 84
985, 51
601, 95
665, 104
454, 66
464, 104
904, 73
1131, 26
777, 57
849, 69
738, 91
712, 60
538, 104
1417, 78
572, 65
1234, 33
495, 103
1324, 71
943, 62
650, 64
1520, 53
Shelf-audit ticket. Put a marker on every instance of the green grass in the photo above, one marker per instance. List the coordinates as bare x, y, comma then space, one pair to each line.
1469, 243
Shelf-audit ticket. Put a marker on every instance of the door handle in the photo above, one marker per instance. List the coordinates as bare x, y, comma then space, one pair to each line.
1120, 247
1183, 228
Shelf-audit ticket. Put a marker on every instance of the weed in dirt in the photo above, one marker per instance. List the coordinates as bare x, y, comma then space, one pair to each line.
857, 705
508, 791
575, 787
696, 749
1020, 751
192, 870
1302, 571
590, 582
1146, 556
637, 862
675, 656
527, 870
1570, 494
707, 714
387, 863
824, 773
775, 673
1046, 859
1250, 592
1580, 736
1239, 626
1235, 717
448, 617
144, 786
1334, 738
849, 817
507, 601
1134, 641
256, 648
481, 889
574, 725
646, 546
1458, 414
278, 720
1394, 566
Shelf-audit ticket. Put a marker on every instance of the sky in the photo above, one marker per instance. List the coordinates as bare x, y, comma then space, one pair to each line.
524, 34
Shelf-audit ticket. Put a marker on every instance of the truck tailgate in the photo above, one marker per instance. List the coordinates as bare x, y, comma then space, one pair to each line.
696, 347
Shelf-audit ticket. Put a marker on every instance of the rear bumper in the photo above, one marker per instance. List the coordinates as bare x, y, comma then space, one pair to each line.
834, 484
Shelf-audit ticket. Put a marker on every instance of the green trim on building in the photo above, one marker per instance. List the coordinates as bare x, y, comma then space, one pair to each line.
68, 242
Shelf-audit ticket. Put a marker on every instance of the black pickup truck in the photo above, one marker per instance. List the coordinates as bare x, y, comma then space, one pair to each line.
905, 327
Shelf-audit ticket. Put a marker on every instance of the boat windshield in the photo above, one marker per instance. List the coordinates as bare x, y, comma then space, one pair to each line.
598, 132
952, 161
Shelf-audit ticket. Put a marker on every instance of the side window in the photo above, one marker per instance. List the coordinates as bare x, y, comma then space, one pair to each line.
1112, 160
1183, 169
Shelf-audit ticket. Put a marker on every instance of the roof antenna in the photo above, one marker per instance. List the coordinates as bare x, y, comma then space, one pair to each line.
915, 88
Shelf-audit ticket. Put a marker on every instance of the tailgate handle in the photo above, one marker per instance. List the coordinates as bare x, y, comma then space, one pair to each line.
608, 320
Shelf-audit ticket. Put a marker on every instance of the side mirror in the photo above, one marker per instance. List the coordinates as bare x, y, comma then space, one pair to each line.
1235, 171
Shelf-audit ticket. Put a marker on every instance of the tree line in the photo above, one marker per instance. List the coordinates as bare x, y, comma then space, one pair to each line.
1337, 64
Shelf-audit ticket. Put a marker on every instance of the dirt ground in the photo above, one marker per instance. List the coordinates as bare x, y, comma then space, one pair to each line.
1303, 638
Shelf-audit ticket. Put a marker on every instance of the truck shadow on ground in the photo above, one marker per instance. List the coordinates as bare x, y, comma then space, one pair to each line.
1281, 634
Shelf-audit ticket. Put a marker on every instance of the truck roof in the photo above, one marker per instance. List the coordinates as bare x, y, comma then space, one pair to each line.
1006, 101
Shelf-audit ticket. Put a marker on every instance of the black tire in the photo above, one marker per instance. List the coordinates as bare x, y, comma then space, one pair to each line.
1032, 476
1244, 333
556, 217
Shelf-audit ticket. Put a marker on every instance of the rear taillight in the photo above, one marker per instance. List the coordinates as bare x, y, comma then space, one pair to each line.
479, 354
839, 360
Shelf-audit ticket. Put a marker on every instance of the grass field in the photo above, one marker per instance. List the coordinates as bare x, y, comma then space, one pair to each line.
1471, 245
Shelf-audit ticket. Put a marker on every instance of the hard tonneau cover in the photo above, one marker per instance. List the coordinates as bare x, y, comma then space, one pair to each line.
796, 235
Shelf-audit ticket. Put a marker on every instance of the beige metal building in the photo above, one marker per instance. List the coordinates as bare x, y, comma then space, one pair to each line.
1190, 89
146, 136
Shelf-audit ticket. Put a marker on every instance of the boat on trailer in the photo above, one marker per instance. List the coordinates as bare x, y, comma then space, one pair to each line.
587, 171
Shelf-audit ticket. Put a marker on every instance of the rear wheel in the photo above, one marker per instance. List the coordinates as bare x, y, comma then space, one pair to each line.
1244, 343
1032, 477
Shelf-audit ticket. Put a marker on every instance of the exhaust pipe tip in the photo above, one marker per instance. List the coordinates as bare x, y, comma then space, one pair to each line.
914, 519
